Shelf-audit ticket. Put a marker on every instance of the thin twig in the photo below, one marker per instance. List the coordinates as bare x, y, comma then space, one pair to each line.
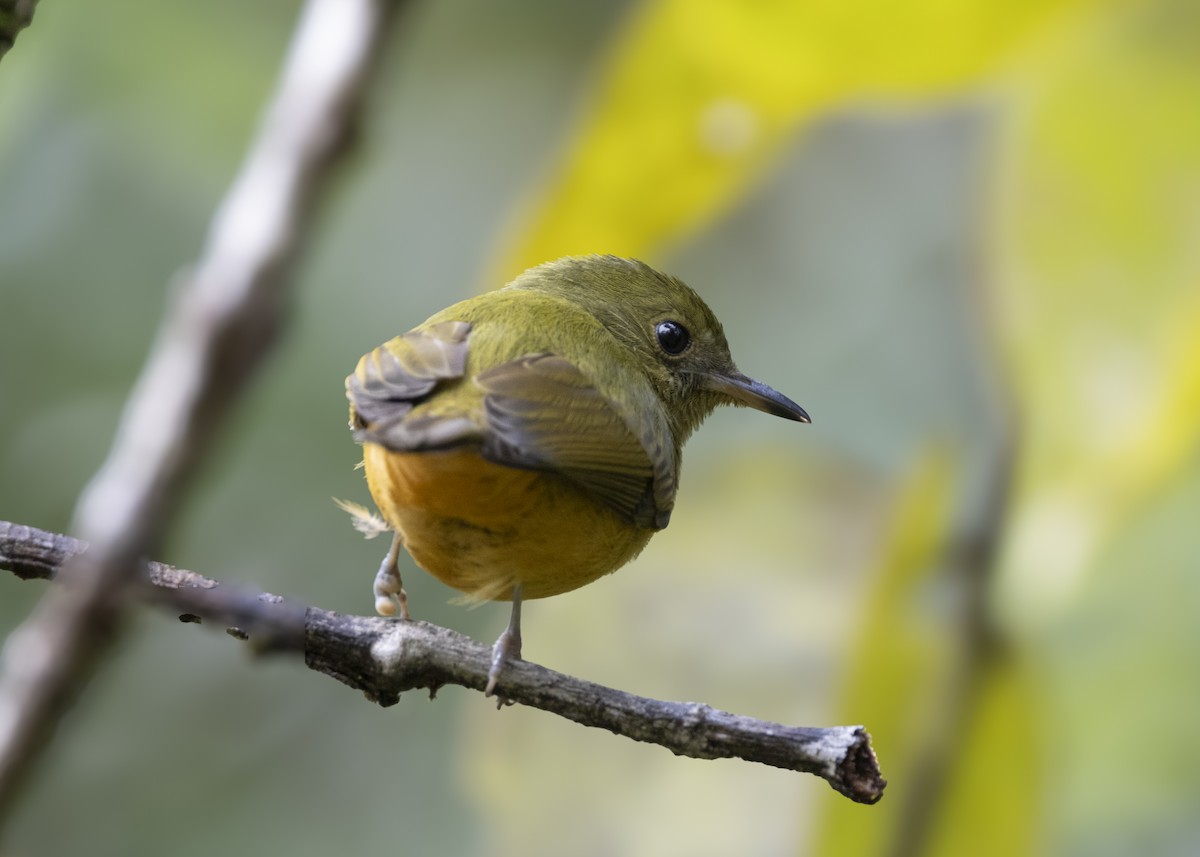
15, 15
384, 658
223, 319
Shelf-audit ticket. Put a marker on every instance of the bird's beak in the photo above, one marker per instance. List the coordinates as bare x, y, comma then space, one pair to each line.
755, 394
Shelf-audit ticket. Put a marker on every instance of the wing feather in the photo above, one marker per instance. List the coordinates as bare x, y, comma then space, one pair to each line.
543, 413
400, 374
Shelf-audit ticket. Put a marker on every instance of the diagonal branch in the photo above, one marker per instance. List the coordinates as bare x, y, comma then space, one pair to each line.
384, 658
221, 322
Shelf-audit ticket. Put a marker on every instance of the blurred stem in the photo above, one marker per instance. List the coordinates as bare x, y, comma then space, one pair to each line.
224, 318
970, 563
15, 15
982, 649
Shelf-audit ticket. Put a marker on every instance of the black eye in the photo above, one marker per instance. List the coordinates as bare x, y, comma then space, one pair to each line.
672, 336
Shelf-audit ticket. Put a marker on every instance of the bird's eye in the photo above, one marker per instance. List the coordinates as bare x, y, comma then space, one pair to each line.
672, 336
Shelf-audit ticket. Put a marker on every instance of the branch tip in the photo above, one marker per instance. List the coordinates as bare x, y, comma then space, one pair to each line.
858, 776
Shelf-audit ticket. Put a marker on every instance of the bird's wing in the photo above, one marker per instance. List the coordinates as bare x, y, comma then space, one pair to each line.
544, 414
397, 376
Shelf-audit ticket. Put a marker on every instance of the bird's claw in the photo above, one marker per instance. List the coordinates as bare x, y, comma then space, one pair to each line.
389, 588
507, 648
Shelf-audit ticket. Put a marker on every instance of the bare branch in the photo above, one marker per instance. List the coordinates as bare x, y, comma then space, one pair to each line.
223, 319
15, 15
384, 658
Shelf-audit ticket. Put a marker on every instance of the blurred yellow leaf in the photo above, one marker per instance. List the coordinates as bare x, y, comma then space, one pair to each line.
1101, 308
992, 796
926, 706
699, 96
899, 666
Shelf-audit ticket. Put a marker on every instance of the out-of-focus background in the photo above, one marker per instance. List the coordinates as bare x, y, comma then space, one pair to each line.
965, 236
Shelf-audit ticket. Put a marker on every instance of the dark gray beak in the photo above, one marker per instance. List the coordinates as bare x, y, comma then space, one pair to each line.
755, 394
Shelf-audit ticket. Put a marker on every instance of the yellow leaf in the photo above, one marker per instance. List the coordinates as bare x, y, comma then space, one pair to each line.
699, 96
899, 669
1101, 305
992, 799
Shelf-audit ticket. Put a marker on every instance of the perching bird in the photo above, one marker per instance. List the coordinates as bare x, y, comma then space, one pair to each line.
527, 441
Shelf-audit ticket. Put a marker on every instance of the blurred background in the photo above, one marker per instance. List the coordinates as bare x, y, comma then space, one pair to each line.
966, 237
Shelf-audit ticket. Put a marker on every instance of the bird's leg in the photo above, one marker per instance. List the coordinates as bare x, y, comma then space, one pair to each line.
508, 646
389, 588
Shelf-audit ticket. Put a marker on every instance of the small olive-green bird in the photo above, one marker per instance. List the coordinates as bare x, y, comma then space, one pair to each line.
527, 441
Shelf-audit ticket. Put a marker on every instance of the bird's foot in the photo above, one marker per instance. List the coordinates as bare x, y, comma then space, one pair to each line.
507, 648
389, 595
389, 588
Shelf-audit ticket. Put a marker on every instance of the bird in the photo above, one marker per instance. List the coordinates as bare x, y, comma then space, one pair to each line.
527, 441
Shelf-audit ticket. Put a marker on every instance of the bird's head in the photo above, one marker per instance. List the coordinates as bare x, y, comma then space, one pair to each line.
668, 330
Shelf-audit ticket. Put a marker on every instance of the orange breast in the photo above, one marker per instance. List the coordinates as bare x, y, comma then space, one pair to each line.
482, 528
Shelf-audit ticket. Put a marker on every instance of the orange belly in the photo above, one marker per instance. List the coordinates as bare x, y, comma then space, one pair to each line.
482, 528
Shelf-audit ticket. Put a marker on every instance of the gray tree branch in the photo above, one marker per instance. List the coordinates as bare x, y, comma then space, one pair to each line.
221, 322
385, 657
